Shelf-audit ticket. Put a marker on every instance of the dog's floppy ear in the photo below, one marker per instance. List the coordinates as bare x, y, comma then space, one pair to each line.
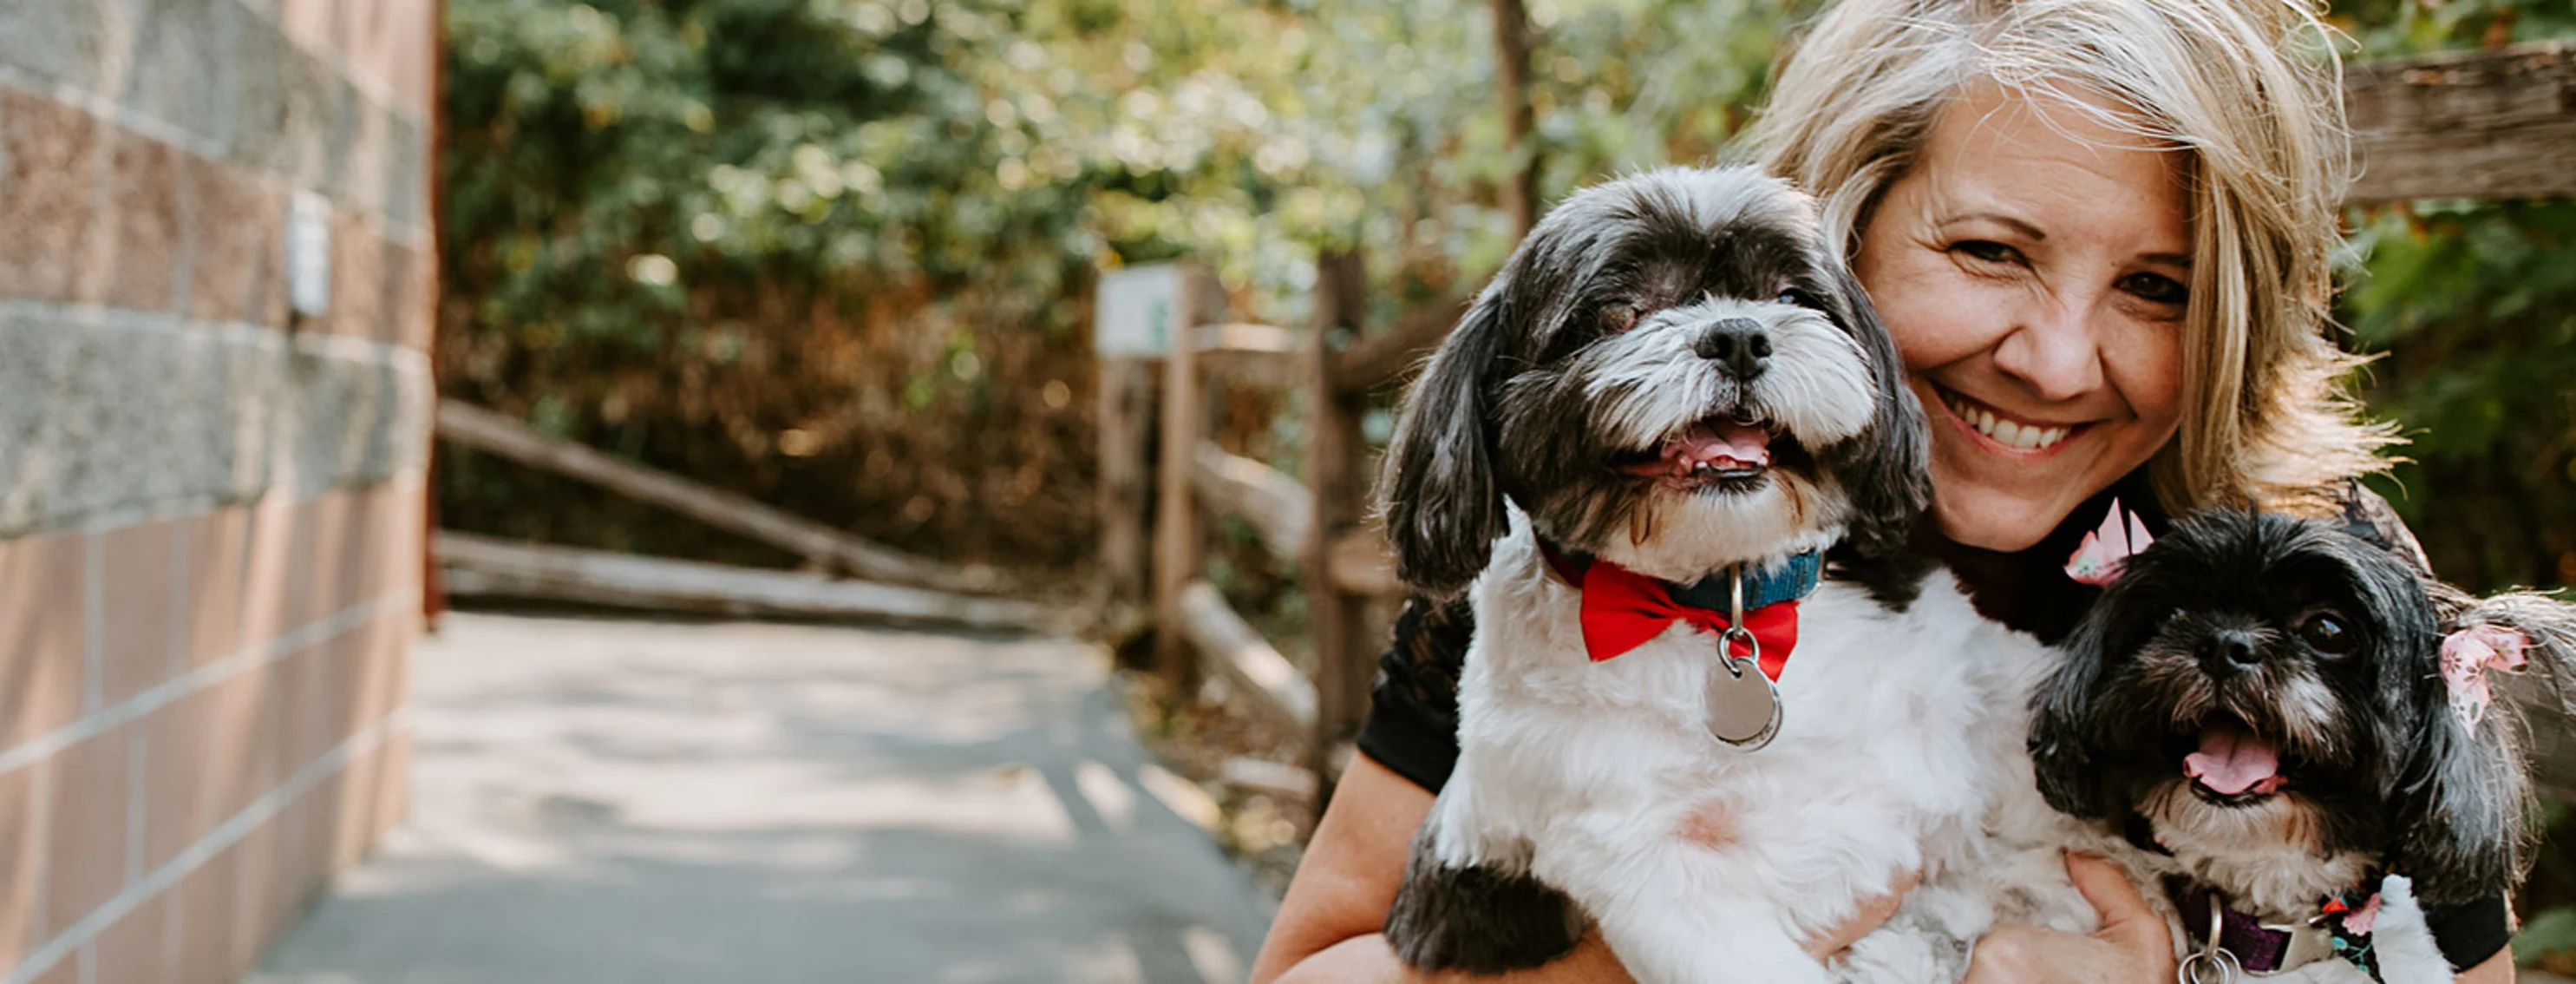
2062, 743
2462, 809
1437, 488
1885, 470
2458, 814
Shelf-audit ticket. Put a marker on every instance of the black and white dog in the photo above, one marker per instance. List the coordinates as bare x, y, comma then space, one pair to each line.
2287, 727
1639, 446
2282, 731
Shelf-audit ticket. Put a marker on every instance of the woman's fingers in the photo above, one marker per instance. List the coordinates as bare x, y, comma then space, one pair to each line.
2126, 919
1872, 915
2131, 948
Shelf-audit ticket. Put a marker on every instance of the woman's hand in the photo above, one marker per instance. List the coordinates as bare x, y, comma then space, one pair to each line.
1872, 915
2132, 946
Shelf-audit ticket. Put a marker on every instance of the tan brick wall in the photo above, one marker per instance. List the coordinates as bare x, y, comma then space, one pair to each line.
211, 509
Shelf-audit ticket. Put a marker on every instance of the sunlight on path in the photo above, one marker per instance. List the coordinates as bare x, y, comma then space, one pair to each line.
642, 802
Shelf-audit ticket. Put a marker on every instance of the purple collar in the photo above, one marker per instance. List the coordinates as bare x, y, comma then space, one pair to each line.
2345, 919
2258, 949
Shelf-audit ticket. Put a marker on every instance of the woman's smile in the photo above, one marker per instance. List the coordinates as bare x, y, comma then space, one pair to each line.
2003, 432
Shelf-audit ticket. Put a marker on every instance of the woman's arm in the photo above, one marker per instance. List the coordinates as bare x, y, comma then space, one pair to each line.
1328, 927
2497, 970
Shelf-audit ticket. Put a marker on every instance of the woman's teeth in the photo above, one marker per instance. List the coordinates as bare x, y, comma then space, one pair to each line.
2028, 437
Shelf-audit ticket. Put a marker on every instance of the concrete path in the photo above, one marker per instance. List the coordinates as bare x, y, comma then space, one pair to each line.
642, 802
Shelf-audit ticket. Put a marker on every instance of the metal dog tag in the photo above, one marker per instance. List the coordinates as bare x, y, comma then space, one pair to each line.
2214, 964
1743, 705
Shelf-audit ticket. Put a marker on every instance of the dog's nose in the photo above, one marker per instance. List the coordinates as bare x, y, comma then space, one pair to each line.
1739, 343
2230, 651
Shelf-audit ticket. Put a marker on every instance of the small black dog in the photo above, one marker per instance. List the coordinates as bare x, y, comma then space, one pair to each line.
2282, 716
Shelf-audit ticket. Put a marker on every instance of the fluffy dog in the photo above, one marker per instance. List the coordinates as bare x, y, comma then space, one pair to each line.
2283, 732
1673, 396
2290, 726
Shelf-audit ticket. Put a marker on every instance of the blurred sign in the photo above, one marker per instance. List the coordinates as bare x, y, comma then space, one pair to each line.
308, 253
1132, 318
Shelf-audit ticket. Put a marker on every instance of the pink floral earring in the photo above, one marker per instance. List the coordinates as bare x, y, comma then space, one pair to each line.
2467, 655
2097, 561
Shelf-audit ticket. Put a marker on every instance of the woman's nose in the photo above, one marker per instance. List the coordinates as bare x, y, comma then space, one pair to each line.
2053, 349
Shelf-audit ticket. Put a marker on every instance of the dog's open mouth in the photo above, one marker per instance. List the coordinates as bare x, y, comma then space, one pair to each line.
2232, 765
1722, 452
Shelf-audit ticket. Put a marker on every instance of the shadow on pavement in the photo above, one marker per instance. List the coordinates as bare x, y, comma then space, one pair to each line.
642, 802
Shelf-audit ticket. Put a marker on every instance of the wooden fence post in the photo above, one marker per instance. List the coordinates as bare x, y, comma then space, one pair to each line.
1180, 532
1336, 463
1126, 420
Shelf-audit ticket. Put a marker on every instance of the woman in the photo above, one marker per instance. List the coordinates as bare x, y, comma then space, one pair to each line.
2098, 230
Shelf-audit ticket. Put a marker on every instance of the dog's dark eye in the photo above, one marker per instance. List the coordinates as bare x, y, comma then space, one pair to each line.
2326, 634
1798, 298
1620, 317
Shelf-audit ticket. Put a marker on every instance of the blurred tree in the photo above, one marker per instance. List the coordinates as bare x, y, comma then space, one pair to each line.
1511, 70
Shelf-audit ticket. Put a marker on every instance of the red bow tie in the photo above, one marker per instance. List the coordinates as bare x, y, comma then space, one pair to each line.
1622, 609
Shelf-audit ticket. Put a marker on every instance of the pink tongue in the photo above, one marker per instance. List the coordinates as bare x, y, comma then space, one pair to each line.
1723, 444
2231, 761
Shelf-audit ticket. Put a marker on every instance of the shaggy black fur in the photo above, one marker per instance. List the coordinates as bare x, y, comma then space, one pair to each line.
1483, 919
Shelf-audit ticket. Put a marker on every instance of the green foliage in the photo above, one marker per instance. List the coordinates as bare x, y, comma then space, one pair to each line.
2473, 308
610, 155
2550, 932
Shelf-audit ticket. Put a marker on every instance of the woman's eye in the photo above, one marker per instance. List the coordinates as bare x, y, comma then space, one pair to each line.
1987, 251
2326, 634
2156, 288
1620, 317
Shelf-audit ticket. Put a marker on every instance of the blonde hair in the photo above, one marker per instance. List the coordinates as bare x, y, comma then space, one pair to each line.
2249, 89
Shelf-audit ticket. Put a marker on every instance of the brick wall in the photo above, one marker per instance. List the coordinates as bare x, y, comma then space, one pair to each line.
210, 504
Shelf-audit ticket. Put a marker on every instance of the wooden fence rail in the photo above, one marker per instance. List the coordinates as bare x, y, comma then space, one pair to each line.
466, 425
475, 566
2495, 124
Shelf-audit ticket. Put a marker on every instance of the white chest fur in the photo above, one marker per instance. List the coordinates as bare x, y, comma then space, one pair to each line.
1701, 861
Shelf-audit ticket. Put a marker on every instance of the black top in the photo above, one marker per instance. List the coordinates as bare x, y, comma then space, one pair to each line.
1412, 726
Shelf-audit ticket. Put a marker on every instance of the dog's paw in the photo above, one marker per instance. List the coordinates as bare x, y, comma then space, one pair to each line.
1479, 919
2403, 937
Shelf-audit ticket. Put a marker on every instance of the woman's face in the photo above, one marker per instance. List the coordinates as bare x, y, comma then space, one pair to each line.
2033, 269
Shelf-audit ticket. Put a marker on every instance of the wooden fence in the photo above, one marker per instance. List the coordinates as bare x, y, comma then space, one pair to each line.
1319, 523
2498, 124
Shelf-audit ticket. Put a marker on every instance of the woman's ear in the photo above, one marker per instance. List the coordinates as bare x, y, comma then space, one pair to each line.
1437, 489
2061, 725
1885, 470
